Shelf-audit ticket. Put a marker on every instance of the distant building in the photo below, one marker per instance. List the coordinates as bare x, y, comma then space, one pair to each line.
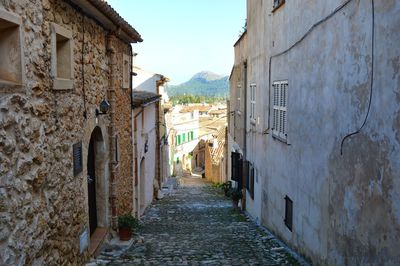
215, 160
184, 137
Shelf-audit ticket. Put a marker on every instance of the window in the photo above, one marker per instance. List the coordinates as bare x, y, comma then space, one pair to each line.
237, 166
178, 140
116, 155
279, 124
288, 212
12, 72
183, 137
249, 171
277, 4
253, 102
77, 158
62, 58
239, 95
192, 135
126, 72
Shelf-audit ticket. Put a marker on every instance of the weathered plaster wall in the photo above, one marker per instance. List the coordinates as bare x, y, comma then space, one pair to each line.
237, 90
346, 207
44, 207
146, 131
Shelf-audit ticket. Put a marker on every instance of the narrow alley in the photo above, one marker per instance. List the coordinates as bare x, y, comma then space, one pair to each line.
195, 224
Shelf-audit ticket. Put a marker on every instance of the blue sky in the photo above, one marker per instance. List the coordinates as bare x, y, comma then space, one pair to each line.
183, 37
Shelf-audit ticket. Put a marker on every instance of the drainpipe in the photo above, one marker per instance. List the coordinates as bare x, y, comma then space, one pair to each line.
159, 160
111, 128
245, 135
136, 165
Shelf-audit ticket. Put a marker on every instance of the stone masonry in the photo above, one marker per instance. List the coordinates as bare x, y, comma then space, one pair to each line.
43, 206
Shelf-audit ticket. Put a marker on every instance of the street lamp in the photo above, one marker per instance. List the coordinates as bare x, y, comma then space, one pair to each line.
104, 108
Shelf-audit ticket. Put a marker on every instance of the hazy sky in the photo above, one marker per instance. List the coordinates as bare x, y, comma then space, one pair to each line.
183, 37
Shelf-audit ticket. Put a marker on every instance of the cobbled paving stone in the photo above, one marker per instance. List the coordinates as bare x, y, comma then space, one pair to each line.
197, 225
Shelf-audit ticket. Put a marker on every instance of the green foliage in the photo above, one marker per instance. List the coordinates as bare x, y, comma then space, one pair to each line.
235, 194
189, 98
127, 221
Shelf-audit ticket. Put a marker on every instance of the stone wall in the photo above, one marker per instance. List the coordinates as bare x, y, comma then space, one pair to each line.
43, 207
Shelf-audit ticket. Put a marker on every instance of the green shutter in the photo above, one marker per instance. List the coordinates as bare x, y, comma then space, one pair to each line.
184, 137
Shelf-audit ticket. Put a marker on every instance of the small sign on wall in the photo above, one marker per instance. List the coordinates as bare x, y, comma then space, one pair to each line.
84, 241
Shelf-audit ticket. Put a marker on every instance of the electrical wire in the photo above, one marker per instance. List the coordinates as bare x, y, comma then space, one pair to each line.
339, 8
371, 83
83, 67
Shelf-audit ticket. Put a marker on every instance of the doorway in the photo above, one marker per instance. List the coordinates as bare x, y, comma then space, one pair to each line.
91, 181
96, 182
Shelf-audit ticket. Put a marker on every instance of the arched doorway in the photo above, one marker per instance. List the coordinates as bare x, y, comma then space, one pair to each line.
96, 181
142, 183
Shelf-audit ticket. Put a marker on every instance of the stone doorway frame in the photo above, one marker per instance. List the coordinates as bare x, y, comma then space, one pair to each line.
101, 186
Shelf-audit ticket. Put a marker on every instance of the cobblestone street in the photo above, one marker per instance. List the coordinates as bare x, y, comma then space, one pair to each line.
195, 224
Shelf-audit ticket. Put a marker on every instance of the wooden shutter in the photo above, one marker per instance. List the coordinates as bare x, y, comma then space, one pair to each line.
251, 190
77, 158
280, 96
246, 176
288, 212
236, 174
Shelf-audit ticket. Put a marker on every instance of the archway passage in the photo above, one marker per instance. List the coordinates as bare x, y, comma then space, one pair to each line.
91, 182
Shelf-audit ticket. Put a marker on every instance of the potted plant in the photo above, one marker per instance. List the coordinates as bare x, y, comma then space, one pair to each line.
226, 187
235, 194
126, 223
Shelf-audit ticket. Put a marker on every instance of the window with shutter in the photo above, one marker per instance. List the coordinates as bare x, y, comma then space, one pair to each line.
280, 96
239, 93
253, 101
288, 213
77, 158
246, 173
236, 174
251, 190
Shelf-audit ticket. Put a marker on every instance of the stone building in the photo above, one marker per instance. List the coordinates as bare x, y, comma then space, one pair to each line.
65, 128
215, 162
322, 126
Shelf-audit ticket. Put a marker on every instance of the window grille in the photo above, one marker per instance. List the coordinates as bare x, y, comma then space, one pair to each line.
77, 158
253, 100
288, 213
280, 96
239, 95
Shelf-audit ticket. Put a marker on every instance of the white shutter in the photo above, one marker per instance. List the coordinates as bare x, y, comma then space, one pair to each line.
280, 109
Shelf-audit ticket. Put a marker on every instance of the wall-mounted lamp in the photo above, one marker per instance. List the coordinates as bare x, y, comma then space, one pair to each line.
104, 108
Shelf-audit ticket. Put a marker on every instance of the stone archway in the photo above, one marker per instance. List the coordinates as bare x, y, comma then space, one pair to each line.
96, 181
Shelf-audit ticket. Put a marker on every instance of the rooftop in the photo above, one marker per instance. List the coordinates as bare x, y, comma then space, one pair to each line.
109, 18
143, 98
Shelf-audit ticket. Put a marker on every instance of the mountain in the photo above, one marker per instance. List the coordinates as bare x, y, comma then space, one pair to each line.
204, 83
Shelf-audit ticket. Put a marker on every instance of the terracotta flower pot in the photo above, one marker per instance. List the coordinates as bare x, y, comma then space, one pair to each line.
125, 234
